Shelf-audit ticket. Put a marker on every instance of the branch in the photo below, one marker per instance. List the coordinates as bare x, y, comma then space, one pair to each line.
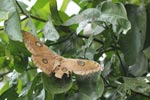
96, 40
108, 85
31, 68
117, 53
60, 41
34, 17
137, 93
1, 29
3, 74
38, 18
123, 67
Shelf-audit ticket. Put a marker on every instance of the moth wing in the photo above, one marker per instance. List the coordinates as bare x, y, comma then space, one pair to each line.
81, 67
44, 63
34, 45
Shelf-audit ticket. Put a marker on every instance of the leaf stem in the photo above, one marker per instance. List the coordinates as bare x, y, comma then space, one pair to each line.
60, 41
27, 16
117, 53
107, 82
3, 74
137, 93
1, 29
86, 37
122, 65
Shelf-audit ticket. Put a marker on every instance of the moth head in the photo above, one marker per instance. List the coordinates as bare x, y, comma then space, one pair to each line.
60, 71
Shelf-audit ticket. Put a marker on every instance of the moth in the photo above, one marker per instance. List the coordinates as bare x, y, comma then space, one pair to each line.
49, 62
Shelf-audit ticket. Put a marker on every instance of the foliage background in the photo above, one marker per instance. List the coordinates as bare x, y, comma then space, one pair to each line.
118, 28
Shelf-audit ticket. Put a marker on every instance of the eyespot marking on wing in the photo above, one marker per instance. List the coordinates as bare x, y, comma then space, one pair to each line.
39, 44
45, 61
81, 63
64, 69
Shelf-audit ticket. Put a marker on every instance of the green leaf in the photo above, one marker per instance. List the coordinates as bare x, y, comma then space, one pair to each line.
147, 52
64, 16
116, 1
35, 83
50, 32
2, 59
116, 16
147, 39
17, 48
20, 55
83, 16
30, 25
20, 63
79, 96
14, 78
90, 87
87, 50
137, 84
64, 5
8, 61
54, 12
104, 13
140, 67
133, 42
40, 4
2, 50
42, 12
22, 98
8, 6
25, 90
59, 97
4, 38
3, 15
23, 6
13, 28
12, 25
48, 96
81, 26
33, 90
19, 85
56, 86
40, 96
4, 88
10, 94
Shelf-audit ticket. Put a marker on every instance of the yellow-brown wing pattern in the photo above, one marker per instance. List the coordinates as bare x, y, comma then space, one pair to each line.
77, 66
41, 55
34, 45
49, 62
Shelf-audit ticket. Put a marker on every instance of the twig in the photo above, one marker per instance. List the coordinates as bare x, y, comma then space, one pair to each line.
3, 74
107, 82
31, 68
123, 68
19, 6
96, 40
137, 93
60, 41
1, 29
37, 18
117, 53
85, 50
34, 17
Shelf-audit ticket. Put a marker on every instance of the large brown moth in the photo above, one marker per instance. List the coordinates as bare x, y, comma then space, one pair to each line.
49, 62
